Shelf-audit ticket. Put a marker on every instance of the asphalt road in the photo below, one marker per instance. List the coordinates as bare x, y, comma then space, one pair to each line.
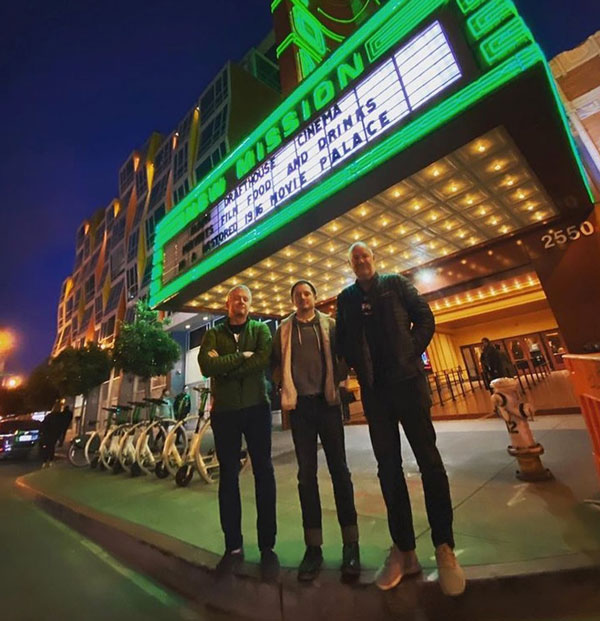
48, 571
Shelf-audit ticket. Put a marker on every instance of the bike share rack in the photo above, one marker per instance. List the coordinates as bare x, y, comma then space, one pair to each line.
136, 444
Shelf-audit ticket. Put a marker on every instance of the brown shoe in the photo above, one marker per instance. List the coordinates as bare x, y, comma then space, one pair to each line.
397, 565
451, 575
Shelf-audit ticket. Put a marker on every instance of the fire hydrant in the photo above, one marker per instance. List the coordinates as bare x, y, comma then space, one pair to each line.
516, 414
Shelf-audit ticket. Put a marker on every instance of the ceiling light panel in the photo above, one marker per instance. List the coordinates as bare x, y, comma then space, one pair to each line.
480, 192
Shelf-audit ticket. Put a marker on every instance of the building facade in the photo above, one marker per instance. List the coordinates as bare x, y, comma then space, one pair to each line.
114, 247
432, 130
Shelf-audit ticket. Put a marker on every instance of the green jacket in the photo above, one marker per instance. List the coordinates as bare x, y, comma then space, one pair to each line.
237, 382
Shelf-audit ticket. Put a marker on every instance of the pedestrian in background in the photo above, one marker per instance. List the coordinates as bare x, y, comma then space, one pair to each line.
490, 360
65, 419
50, 431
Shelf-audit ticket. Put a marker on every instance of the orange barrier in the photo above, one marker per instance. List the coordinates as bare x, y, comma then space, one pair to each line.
585, 375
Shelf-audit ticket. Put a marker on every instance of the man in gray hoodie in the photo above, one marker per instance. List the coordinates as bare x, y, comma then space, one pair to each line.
305, 367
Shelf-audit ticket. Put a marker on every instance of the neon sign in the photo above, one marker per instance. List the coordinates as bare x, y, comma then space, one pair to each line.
406, 80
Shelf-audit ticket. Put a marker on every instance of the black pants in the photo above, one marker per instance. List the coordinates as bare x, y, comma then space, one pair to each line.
47, 447
408, 402
255, 423
314, 417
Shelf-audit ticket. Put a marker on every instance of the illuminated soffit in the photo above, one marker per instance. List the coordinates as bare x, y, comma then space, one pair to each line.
480, 192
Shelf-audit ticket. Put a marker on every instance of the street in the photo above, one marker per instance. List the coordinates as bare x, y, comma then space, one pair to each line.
49, 571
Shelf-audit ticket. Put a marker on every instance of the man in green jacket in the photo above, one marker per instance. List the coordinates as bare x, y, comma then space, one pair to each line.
235, 355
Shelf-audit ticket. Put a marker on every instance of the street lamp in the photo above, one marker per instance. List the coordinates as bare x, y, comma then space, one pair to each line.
7, 341
13, 381
7, 344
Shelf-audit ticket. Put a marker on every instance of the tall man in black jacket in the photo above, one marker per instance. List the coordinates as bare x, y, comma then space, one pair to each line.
383, 327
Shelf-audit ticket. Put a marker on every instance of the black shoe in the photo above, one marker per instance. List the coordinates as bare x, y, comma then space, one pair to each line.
350, 561
311, 564
269, 566
230, 562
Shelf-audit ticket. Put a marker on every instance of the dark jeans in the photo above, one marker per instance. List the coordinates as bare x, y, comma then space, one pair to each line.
408, 402
255, 423
314, 417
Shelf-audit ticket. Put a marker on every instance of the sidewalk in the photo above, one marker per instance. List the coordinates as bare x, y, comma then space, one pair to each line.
503, 527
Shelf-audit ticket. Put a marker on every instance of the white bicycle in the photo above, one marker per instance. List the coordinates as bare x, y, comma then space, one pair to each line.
201, 454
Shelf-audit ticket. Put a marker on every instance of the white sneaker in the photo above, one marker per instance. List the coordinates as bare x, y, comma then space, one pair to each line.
397, 565
451, 575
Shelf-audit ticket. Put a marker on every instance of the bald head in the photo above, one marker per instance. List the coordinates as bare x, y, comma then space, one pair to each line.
362, 261
359, 244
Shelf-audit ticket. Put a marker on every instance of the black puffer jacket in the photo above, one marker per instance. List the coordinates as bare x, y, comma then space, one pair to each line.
408, 323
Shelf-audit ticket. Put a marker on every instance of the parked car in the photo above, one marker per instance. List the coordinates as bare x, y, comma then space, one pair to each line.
19, 436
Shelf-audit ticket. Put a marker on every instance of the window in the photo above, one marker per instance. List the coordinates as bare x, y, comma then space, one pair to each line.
151, 221
214, 95
180, 161
117, 260
126, 175
118, 231
86, 318
108, 328
132, 282
141, 181
162, 160
113, 298
182, 190
86, 247
184, 126
132, 245
147, 275
98, 308
89, 289
158, 191
213, 131
68, 308
210, 161
196, 336
129, 315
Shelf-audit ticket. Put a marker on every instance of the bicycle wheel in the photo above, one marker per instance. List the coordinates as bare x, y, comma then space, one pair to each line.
176, 446
126, 453
150, 445
76, 452
205, 456
92, 448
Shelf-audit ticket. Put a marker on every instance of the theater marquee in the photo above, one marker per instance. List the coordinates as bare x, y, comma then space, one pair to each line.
410, 69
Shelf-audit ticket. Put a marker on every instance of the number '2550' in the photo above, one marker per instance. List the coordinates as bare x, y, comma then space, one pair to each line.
571, 233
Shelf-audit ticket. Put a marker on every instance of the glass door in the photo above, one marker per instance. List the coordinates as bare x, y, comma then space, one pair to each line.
518, 352
555, 347
471, 361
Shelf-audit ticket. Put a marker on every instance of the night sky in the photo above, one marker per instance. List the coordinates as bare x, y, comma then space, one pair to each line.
84, 83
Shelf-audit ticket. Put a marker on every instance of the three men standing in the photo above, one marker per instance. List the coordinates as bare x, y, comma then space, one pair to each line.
306, 368
383, 327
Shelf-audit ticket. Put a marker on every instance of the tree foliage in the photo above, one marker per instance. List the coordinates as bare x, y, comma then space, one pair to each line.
12, 401
143, 348
40, 391
76, 371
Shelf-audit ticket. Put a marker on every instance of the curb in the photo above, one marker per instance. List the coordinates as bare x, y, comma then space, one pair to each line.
190, 571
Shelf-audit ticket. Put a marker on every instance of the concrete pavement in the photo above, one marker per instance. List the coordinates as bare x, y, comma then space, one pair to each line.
505, 529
